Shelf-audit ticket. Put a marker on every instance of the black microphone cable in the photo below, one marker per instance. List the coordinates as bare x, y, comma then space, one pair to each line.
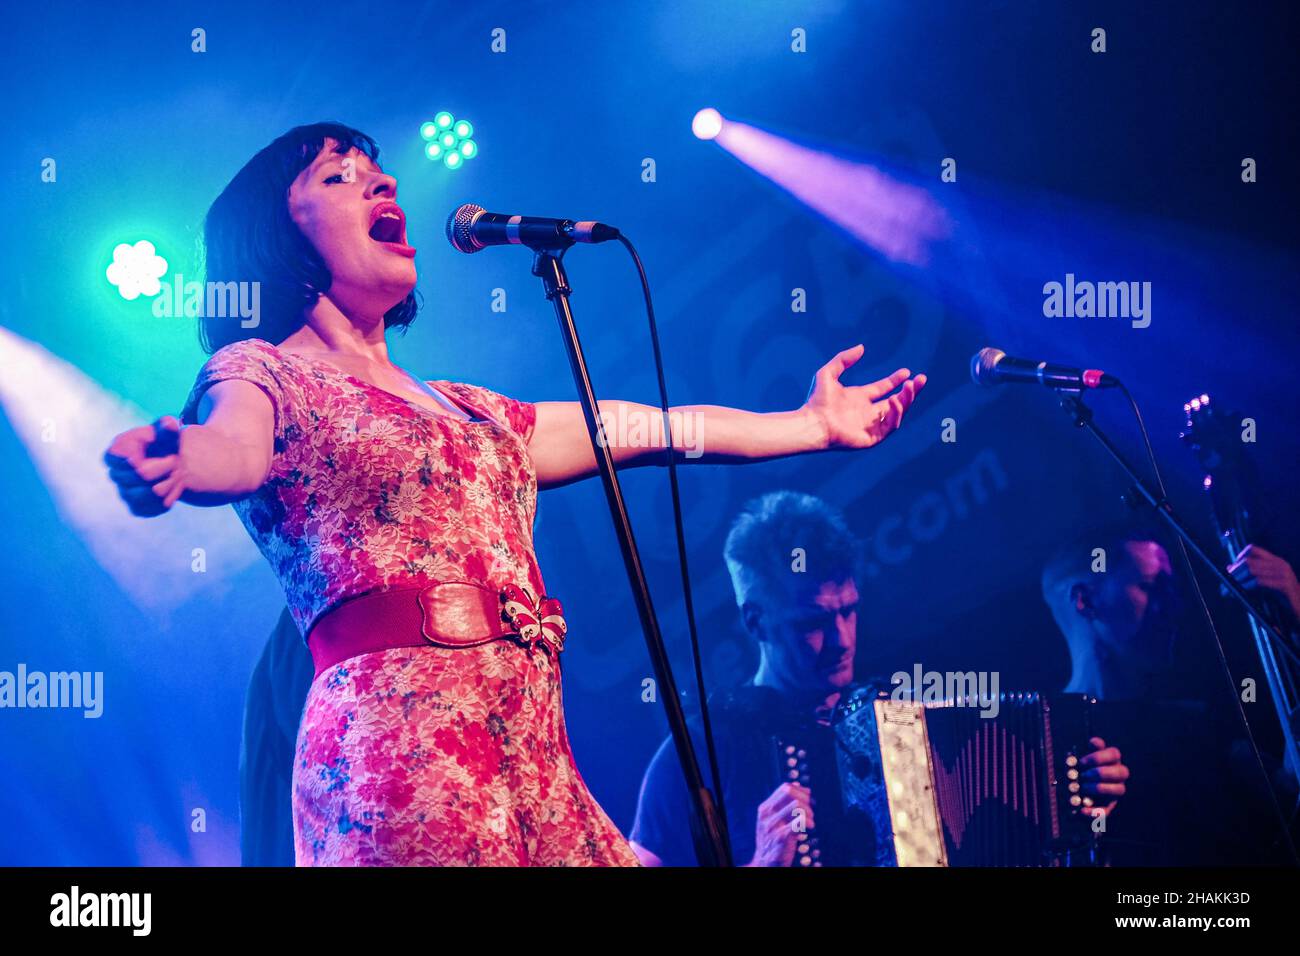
681, 541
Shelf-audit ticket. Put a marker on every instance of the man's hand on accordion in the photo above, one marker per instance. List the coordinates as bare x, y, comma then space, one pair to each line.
1103, 776
781, 818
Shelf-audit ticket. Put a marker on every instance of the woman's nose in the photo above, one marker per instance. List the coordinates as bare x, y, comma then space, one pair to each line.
382, 185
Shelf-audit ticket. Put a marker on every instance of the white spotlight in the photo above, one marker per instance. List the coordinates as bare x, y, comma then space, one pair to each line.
707, 123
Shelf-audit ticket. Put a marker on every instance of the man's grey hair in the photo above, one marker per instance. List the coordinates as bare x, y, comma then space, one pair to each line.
783, 533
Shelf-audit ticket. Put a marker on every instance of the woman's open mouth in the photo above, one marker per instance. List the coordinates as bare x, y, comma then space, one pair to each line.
388, 225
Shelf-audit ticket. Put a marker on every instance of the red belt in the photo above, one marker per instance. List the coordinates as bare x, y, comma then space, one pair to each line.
451, 614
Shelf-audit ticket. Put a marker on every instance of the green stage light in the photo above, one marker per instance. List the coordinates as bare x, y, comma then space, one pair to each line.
449, 140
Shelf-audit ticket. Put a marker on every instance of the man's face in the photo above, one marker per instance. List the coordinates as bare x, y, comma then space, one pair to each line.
811, 637
1132, 604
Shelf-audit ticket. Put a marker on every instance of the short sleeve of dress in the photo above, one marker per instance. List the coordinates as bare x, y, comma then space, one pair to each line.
520, 417
249, 360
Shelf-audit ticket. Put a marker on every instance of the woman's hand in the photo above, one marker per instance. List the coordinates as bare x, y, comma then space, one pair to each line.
144, 463
859, 416
225, 457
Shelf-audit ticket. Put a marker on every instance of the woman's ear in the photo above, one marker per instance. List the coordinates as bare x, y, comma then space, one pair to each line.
752, 617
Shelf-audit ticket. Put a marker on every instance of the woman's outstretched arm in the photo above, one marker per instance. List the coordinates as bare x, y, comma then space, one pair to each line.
222, 459
834, 416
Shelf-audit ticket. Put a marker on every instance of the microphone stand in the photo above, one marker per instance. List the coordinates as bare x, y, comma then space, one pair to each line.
711, 846
1083, 418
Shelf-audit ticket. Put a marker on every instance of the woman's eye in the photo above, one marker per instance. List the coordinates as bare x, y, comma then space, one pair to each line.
336, 178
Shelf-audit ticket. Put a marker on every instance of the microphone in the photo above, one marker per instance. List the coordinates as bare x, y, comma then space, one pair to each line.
471, 228
991, 366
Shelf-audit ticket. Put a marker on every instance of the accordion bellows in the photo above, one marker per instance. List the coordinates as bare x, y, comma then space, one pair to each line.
946, 785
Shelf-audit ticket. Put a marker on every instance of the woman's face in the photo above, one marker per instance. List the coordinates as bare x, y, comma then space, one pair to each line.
346, 207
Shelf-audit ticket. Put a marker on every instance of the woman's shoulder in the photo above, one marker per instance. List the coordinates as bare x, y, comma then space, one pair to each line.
251, 360
258, 359
249, 350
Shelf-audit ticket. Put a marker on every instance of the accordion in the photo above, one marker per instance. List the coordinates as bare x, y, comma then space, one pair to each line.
943, 784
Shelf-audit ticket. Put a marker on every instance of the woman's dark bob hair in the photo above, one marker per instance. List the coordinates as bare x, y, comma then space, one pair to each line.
249, 237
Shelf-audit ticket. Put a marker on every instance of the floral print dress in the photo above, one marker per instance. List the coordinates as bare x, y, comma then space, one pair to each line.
413, 755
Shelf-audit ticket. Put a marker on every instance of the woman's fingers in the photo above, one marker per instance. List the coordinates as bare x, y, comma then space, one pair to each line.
883, 386
165, 487
832, 370
147, 472
142, 462
896, 405
174, 494
127, 446
903, 400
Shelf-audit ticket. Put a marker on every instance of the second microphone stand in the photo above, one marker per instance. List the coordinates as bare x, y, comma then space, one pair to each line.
1083, 418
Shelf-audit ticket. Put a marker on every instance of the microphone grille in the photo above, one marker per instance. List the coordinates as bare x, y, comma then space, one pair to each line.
458, 228
983, 365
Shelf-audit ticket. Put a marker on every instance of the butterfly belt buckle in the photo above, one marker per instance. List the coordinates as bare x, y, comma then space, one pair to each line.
533, 620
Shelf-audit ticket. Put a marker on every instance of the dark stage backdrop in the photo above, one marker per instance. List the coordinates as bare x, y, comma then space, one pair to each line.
1116, 166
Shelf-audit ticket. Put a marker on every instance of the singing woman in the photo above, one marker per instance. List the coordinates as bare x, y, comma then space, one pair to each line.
398, 516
